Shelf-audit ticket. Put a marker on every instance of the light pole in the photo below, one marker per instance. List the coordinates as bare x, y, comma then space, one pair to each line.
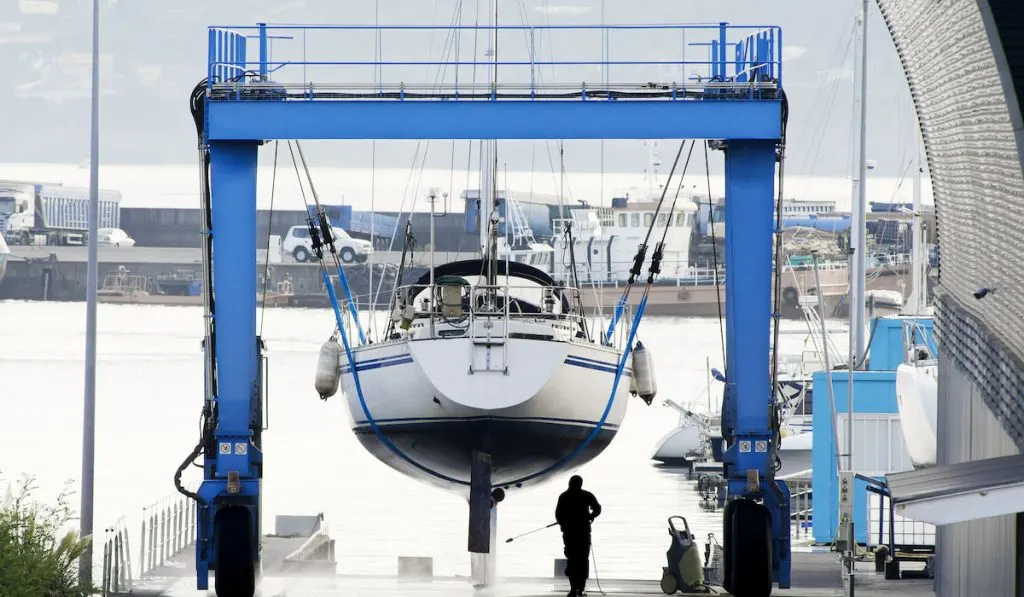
89, 414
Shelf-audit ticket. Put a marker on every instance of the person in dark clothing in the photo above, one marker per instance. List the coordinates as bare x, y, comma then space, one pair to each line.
576, 509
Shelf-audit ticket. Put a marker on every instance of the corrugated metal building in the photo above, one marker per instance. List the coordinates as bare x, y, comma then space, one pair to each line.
964, 61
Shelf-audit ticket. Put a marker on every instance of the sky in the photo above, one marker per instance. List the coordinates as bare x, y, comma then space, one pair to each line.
154, 52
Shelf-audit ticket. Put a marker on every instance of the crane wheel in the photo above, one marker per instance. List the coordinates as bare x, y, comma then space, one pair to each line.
727, 529
234, 547
748, 549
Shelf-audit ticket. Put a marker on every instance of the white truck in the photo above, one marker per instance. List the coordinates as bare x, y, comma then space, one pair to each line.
351, 250
58, 213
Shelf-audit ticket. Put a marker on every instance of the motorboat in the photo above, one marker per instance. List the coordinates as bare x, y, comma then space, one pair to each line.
917, 397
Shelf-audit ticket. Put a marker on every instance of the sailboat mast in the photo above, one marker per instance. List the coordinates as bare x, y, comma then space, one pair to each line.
917, 260
858, 227
489, 155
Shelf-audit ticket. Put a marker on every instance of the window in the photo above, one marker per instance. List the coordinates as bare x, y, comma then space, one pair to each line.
648, 218
622, 220
300, 232
682, 219
634, 220
662, 218
672, 218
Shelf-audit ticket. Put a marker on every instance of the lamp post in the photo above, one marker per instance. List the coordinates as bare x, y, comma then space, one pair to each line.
89, 414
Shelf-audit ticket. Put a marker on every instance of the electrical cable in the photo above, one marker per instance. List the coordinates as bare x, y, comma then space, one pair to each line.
270, 228
777, 290
597, 577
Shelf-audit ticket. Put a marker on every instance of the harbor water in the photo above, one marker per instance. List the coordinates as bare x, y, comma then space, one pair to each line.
149, 393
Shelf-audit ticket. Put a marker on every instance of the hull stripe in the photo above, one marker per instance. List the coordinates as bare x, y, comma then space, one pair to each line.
402, 359
401, 420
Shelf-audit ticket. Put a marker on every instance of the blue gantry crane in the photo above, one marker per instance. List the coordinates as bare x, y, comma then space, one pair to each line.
734, 99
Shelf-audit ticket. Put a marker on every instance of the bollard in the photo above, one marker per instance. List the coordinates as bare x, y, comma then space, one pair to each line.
412, 566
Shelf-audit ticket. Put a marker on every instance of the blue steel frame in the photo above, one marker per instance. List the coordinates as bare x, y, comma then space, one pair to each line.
251, 109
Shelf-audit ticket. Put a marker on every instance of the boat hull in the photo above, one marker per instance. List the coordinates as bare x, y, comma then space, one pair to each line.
917, 402
427, 434
679, 447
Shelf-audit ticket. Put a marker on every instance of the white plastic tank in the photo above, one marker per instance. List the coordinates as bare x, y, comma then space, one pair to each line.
643, 383
328, 369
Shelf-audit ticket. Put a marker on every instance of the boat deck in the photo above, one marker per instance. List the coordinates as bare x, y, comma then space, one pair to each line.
815, 574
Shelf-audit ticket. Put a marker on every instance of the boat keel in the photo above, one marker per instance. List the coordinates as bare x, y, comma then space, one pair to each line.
483, 521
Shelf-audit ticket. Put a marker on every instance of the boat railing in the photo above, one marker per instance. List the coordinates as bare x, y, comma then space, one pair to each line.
490, 301
310, 62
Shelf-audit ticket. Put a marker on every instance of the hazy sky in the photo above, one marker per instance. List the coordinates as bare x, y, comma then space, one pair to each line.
155, 52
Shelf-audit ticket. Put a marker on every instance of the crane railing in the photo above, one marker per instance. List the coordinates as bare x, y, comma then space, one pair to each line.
403, 62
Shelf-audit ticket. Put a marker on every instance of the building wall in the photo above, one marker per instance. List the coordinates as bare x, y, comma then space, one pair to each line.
965, 64
974, 558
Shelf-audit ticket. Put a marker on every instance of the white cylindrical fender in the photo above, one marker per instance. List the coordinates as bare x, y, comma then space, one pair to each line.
328, 369
643, 382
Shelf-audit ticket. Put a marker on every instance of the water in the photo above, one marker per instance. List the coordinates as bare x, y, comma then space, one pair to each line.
149, 392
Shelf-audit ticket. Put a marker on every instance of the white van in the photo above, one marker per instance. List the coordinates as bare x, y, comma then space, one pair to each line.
351, 250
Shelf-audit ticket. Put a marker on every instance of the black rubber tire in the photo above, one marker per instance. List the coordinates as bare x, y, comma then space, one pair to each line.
348, 255
727, 545
301, 254
235, 575
751, 547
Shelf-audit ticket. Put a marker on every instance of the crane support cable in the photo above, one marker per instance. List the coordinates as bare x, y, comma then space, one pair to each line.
641, 253
322, 235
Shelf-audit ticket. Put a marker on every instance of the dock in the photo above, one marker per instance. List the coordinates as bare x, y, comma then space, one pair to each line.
298, 560
172, 276
815, 574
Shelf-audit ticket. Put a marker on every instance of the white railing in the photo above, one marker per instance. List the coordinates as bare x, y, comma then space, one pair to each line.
168, 528
321, 537
117, 562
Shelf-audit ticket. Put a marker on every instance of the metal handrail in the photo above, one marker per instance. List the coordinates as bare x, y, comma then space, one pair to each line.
737, 56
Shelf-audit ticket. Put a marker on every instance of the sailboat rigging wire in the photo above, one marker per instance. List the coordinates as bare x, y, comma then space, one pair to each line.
325, 229
270, 229
714, 252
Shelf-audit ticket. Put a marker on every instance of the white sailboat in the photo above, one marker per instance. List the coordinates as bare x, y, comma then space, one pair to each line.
917, 390
488, 377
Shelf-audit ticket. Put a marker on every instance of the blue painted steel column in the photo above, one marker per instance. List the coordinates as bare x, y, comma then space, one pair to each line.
749, 207
233, 194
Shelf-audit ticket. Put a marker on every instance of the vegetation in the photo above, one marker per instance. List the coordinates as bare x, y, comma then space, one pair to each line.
34, 560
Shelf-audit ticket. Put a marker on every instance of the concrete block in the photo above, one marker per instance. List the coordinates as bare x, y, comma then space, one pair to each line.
415, 566
560, 564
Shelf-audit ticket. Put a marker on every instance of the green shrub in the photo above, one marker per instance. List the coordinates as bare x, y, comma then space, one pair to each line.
34, 560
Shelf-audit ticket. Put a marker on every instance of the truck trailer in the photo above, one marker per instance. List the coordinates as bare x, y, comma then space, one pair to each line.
57, 213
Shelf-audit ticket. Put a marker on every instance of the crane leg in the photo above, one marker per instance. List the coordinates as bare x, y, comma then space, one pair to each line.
756, 525
228, 528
